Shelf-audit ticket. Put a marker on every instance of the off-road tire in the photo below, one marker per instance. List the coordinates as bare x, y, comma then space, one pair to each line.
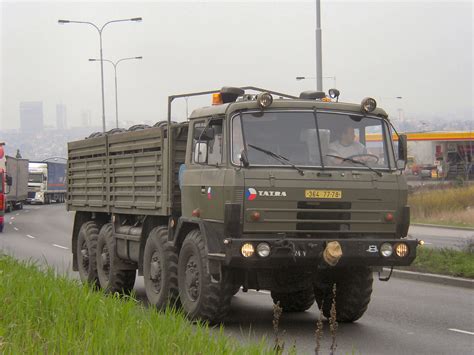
86, 253
112, 278
160, 270
201, 297
353, 291
298, 301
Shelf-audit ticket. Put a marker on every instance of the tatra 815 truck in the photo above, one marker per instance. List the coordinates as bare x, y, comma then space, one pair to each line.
261, 190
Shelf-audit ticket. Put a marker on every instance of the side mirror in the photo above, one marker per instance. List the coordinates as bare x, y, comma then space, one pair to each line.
200, 152
401, 164
9, 180
204, 134
402, 148
244, 158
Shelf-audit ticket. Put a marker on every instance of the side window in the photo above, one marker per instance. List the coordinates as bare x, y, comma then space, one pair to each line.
208, 146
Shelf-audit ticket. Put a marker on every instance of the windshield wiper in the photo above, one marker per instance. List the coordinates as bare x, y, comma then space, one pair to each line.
278, 157
355, 162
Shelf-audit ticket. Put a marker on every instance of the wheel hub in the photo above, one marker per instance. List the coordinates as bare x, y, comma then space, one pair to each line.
155, 272
192, 279
105, 258
85, 255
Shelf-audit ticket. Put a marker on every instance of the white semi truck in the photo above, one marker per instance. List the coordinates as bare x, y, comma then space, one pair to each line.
47, 182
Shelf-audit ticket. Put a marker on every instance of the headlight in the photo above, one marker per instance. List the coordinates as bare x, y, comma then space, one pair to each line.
386, 249
263, 249
368, 104
247, 250
401, 249
264, 99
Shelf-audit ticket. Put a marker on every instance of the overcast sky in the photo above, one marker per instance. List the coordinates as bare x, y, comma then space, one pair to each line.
420, 50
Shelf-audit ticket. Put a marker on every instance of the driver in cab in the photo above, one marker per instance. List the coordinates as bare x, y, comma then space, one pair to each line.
346, 146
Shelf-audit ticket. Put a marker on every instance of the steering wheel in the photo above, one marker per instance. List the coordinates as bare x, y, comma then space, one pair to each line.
372, 156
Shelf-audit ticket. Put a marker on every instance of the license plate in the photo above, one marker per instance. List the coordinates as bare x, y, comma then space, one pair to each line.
334, 194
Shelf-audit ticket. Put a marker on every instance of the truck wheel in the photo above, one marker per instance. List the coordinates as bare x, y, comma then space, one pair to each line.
299, 301
86, 252
160, 269
201, 297
353, 291
111, 278
46, 200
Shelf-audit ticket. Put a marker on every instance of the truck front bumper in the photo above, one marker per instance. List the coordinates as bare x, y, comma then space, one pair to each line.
309, 252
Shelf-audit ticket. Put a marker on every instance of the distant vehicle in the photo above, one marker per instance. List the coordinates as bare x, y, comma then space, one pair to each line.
2, 186
46, 182
16, 183
251, 192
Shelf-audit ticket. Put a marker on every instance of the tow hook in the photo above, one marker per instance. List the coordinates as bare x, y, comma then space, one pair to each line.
386, 278
332, 253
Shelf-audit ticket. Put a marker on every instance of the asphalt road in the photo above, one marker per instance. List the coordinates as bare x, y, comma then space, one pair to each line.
404, 317
442, 237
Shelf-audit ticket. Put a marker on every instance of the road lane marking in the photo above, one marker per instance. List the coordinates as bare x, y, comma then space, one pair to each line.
461, 331
30, 236
12, 218
59, 246
17, 214
15, 228
427, 243
10, 222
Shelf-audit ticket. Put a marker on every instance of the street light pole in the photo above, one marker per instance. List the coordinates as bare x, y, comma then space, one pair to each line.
312, 77
115, 72
319, 59
99, 30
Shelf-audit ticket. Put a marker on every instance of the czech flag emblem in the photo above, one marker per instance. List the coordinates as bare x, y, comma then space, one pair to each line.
209, 193
251, 194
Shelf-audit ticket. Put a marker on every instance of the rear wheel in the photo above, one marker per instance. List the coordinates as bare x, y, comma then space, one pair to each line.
353, 292
160, 269
298, 301
112, 277
86, 252
201, 296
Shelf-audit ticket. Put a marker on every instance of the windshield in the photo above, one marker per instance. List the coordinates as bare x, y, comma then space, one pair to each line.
327, 139
35, 178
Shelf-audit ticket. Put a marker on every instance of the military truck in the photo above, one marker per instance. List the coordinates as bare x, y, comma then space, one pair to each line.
251, 192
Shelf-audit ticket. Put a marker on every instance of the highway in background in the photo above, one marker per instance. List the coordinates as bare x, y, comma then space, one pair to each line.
404, 316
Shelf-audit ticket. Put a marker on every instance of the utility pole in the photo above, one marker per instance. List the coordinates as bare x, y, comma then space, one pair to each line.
319, 59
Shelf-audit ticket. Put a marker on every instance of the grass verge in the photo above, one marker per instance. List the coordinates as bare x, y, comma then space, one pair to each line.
448, 206
41, 312
444, 261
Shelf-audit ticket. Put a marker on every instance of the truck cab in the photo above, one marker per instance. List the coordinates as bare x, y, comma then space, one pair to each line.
37, 183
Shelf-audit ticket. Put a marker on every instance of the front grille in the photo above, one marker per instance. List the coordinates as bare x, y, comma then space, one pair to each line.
31, 194
319, 211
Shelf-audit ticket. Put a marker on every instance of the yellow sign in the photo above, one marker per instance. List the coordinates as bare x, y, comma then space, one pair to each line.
323, 193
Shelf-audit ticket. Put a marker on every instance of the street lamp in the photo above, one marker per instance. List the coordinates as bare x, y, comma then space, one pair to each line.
313, 78
319, 56
135, 19
115, 71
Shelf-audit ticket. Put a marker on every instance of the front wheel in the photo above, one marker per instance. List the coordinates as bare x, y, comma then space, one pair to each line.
353, 292
200, 295
112, 278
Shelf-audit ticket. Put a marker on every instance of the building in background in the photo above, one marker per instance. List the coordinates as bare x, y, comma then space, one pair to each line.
31, 116
61, 117
86, 118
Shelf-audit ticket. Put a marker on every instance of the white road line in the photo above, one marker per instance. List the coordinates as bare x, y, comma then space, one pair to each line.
426, 243
15, 228
59, 246
17, 214
12, 218
10, 222
30, 236
461, 331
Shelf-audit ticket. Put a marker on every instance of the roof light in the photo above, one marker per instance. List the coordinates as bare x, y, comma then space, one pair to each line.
368, 104
326, 99
334, 93
264, 99
216, 99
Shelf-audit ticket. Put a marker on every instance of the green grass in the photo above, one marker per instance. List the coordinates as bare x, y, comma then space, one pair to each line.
41, 312
445, 261
448, 206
